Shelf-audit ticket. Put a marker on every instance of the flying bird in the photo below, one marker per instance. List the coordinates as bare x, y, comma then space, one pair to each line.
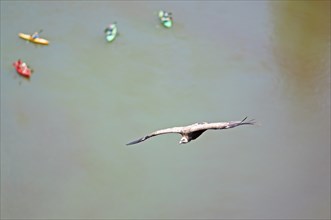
192, 132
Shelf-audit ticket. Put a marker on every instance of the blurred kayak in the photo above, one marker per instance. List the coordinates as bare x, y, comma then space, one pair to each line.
36, 40
22, 69
111, 32
165, 18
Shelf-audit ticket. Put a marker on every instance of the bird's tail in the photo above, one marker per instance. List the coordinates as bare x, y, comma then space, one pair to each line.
233, 124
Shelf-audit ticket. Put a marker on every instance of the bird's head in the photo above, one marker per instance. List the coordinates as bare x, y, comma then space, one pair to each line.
183, 140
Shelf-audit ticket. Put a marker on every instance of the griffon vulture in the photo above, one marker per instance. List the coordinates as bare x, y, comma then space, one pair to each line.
193, 131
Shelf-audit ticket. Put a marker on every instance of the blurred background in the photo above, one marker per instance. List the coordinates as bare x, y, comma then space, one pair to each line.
63, 132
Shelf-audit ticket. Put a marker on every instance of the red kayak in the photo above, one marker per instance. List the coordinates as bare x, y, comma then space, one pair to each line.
22, 69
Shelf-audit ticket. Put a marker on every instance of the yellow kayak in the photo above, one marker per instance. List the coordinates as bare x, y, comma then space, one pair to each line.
36, 40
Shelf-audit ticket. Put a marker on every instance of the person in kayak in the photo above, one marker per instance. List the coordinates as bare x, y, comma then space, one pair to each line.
22, 66
165, 16
110, 28
35, 35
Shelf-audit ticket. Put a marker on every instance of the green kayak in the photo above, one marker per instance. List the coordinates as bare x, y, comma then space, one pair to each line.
165, 19
111, 32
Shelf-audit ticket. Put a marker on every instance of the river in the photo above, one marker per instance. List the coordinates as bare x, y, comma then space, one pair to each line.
63, 132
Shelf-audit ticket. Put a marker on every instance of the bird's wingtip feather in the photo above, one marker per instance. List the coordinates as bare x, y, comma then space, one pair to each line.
136, 141
244, 119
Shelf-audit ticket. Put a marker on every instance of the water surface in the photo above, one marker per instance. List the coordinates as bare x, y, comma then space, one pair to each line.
63, 133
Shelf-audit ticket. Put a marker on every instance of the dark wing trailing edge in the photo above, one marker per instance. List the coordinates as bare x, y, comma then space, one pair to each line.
159, 132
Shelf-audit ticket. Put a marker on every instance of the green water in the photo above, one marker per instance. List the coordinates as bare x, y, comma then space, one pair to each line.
63, 133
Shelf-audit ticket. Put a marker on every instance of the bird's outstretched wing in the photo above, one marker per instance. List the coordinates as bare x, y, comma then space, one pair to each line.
159, 132
221, 125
